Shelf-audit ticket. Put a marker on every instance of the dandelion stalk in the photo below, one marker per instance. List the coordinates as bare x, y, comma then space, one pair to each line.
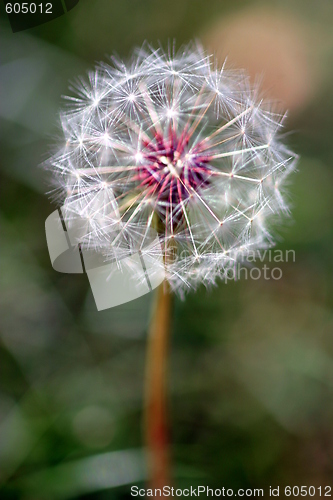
156, 422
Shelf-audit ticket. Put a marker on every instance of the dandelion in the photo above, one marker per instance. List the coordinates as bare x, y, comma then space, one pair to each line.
170, 142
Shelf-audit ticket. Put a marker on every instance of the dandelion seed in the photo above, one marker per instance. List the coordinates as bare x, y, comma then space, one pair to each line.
193, 153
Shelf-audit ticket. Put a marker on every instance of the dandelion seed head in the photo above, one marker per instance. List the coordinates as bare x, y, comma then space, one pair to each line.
168, 142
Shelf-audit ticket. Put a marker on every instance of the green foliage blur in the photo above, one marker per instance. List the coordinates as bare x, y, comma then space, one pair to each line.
251, 362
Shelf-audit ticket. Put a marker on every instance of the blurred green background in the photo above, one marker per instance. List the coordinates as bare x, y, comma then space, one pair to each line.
251, 367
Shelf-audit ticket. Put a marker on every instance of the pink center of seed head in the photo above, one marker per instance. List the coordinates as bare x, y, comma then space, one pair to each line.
171, 169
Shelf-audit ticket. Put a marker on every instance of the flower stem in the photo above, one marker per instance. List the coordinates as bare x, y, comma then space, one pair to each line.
156, 428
